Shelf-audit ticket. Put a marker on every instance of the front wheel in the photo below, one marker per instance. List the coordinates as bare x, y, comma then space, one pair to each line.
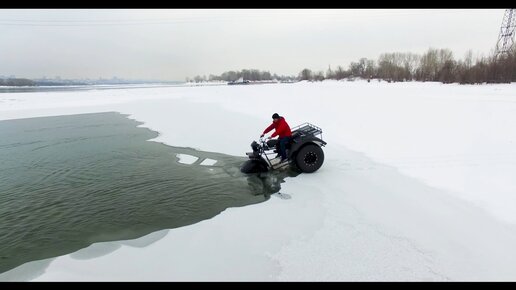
254, 166
309, 158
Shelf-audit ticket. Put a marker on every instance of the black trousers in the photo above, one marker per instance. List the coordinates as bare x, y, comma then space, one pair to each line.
283, 146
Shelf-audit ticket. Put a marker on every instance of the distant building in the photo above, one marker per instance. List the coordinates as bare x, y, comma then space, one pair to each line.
240, 81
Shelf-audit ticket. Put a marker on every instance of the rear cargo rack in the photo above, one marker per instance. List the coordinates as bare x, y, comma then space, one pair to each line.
307, 129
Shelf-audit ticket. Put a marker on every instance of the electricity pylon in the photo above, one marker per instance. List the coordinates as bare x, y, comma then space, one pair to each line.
505, 42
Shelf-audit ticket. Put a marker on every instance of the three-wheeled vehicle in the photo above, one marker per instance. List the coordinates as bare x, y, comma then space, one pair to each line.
304, 151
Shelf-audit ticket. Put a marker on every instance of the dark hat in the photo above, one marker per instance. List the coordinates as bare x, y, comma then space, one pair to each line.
275, 116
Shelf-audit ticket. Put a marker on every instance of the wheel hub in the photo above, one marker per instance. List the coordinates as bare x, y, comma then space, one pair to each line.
310, 158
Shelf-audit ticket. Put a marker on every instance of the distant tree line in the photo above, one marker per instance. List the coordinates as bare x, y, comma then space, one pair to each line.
17, 82
437, 65
434, 65
246, 74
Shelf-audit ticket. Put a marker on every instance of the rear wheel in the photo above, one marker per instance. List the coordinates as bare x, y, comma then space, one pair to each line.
309, 158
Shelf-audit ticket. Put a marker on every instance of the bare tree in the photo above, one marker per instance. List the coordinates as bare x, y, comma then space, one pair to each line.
305, 74
433, 65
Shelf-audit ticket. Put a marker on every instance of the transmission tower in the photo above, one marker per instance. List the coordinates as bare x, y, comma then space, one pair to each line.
505, 42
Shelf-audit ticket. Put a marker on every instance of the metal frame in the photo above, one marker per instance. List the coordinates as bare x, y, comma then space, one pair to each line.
505, 43
306, 129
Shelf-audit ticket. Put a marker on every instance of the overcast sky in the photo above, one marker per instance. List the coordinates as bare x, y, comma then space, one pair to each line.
175, 44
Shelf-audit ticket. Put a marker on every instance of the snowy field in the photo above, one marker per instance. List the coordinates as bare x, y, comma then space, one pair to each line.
418, 184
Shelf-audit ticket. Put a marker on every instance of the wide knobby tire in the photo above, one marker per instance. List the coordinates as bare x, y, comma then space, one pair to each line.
309, 158
253, 166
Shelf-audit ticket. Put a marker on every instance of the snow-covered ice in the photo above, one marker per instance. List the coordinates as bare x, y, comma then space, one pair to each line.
418, 184
208, 162
186, 159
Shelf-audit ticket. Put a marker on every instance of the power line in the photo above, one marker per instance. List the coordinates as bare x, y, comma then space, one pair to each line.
219, 18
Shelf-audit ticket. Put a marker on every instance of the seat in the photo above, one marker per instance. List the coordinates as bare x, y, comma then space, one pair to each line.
272, 143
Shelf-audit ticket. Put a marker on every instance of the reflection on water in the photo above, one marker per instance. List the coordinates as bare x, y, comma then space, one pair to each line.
69, 181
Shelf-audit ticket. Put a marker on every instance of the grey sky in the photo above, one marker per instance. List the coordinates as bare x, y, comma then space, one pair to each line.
174, 44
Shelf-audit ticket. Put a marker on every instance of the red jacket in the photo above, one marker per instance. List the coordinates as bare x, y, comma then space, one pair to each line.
282, 129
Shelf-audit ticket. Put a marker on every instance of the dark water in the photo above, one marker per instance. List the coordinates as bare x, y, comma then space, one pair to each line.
69, 181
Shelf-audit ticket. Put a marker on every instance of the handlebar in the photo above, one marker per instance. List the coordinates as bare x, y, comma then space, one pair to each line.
263, 139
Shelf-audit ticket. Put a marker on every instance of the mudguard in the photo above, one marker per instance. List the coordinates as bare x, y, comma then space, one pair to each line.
297, 144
